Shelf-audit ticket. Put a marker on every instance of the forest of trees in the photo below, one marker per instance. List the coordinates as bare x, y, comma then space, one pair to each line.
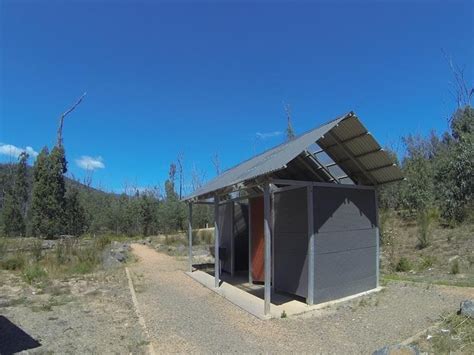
439, 173
40, 201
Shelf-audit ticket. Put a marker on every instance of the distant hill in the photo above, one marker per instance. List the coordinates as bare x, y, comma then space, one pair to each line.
7, 169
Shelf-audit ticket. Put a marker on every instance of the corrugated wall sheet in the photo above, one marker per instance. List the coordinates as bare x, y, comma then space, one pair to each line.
345, 243
291, 242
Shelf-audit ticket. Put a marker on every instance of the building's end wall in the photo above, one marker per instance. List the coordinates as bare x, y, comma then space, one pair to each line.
345, 242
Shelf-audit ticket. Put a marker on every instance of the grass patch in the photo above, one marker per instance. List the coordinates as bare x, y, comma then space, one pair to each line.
13, 262
403, 265
69, 257
14, 302
52, 302
406, 278
34, 272
427, 261
455, 334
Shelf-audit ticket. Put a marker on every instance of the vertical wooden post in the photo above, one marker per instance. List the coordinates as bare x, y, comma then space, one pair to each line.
190, 235
310, 207
216, 241
250, 242
377, 241
232, 241
272, 230
268, 249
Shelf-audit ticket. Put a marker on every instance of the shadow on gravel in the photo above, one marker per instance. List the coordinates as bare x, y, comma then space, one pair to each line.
13, 339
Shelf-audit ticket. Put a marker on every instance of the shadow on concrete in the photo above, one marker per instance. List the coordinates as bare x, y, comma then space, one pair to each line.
13, 339
257, 289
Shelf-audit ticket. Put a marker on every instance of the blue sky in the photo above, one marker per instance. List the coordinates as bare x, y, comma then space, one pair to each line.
202, 78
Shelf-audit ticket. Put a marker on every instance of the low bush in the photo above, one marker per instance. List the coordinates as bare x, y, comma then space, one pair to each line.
3, 247
37, 249
427, 261
455, 267
403, 265
14, 262
203, 236
34, 272
424, 221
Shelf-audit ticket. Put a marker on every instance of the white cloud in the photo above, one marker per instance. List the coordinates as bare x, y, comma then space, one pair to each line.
14, 151
266, 135
90, 163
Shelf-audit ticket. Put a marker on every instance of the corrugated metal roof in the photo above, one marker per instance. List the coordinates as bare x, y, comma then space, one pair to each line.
356, 152
345, 140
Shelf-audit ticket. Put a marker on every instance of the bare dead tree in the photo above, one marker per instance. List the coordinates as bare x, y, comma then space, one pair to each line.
216, 162
88, 177
290, 132
63, 116
461, 91
197, 178
179, 160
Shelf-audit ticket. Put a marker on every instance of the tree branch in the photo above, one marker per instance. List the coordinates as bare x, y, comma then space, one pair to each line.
63, 116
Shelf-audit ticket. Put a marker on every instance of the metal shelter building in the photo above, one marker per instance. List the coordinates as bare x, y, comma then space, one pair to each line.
302, 216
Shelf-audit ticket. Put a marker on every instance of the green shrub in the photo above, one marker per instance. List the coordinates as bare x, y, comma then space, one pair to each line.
37, 249
203, 236
427, 261
424, 221
83, 267
455, 267
403, 265
283, 314
16, 262
102, 241
3, 247
34, 272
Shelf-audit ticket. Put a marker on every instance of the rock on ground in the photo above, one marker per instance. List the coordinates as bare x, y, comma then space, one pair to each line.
397, 350
467, 308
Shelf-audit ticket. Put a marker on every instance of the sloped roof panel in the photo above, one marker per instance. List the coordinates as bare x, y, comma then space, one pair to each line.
267, 162
345, 140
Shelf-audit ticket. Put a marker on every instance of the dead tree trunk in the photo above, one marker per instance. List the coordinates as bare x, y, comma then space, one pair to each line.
59, 142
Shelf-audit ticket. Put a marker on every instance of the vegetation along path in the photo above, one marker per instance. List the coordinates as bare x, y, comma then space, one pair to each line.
183, 316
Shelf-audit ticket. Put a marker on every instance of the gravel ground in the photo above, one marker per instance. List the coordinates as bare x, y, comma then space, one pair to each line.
93, 314
183, 316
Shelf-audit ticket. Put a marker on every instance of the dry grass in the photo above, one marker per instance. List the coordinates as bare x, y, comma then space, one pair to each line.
448, 259
69, 257
455, 334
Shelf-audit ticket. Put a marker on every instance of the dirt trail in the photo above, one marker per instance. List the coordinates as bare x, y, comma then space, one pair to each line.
183, 316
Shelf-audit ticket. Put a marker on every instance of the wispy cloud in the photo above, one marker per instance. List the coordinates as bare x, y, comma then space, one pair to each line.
266, 135
14, 151
90, 163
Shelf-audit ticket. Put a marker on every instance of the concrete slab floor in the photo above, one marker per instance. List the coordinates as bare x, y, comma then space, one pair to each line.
250, 297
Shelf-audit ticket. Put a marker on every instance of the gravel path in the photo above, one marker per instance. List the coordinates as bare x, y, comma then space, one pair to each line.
183, 316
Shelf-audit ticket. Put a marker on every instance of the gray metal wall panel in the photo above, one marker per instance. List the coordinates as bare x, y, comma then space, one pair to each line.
340, 209
331, 242
291, 242
345, 249
225, 234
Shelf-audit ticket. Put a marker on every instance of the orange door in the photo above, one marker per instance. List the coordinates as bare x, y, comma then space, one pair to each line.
258, 241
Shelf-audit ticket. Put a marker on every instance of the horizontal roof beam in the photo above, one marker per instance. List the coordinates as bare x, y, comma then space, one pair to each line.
362, 155
326, 170
353, 158
381, 167
347, 140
